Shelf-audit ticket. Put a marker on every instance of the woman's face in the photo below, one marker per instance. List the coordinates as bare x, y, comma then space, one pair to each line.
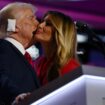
45, 30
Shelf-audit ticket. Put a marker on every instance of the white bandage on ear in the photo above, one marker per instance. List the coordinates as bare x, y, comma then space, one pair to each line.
11, 25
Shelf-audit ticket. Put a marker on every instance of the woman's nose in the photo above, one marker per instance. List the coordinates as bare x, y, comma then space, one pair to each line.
41, 25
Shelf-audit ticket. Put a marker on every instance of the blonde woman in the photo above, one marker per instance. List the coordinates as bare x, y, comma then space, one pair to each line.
57, 35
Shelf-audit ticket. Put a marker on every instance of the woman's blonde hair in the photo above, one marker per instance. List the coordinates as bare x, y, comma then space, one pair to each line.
65, 38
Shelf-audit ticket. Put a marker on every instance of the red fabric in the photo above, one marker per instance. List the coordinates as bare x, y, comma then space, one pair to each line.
29, 59
42, 65
70, 66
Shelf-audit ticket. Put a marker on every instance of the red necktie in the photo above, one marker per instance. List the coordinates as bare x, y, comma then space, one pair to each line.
29, 59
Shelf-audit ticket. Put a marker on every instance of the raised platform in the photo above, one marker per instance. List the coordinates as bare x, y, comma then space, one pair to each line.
84, 86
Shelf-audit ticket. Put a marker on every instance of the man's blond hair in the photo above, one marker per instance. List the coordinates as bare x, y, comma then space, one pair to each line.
8, 12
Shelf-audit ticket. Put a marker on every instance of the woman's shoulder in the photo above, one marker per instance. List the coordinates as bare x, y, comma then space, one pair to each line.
74, 62
70, 66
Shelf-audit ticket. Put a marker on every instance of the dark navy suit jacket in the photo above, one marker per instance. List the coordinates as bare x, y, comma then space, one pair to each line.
16, 74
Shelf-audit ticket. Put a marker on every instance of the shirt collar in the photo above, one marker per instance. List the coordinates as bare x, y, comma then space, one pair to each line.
17, 44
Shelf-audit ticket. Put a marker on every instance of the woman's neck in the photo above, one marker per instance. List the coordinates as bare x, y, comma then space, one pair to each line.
49, 50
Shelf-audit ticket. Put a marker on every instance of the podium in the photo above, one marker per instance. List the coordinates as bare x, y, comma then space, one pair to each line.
84, 86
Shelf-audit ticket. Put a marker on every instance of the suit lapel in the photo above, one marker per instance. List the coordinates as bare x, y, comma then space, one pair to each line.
20, 55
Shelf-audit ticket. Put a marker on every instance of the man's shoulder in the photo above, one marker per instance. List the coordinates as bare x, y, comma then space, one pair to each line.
3, 42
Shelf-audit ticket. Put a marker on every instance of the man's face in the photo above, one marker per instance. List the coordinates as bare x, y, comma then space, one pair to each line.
45, 31
27, 25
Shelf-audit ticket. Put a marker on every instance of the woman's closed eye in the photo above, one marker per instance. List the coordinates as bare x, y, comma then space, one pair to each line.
48, 23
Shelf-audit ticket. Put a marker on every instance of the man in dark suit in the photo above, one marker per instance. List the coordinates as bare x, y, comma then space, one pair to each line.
17, 24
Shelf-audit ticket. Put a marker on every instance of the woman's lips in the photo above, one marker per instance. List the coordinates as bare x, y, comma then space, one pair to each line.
38, 31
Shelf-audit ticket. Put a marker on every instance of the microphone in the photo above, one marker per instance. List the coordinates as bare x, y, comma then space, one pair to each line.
92, 37
80, 24
85, 28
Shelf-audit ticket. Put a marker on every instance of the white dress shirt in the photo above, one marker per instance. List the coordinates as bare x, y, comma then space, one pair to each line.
17, 44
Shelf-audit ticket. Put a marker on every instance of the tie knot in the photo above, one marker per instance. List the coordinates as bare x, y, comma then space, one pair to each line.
29, 59
27, 56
